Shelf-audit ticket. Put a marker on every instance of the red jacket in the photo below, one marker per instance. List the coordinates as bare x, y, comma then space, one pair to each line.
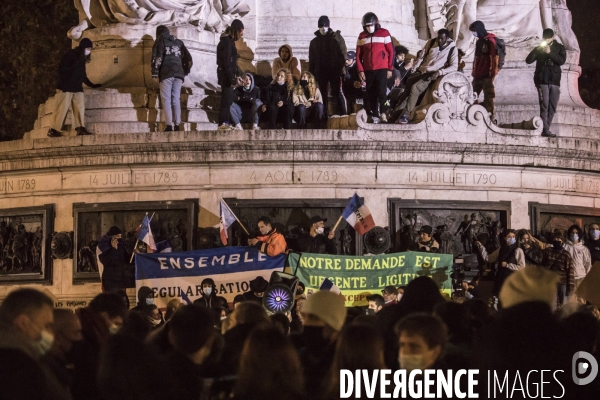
485, 64
375, 51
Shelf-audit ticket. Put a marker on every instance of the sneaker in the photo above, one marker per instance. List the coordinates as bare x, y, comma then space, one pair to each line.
383, 118
175, 128
376, 120
53, 133
403, 119
169, 128
224, 127
81, 131
256, 127
238, 127
548, 134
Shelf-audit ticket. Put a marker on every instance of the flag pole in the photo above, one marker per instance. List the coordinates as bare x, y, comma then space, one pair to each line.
138, 240
337, 223
236, 218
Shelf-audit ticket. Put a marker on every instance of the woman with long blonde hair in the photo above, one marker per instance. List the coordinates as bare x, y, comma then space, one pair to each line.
279, 99
308, 102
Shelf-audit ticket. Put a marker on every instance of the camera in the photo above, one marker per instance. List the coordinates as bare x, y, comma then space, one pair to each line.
458, 274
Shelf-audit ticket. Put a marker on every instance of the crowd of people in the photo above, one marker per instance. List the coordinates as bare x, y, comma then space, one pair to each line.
377, 76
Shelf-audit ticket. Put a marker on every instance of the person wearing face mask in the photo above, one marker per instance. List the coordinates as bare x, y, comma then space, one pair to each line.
286, 60
279, 105
352, 86
154, 316
582, 259
145, 298
69, 91
326, 61
548, 58
439, 58
270, 242
67, 336
209, 298
171, 62
485, 65
26, 334
227, 69
324, 314
534, 252
556, 258
246, 105
316, 241
375, 59
593, 242
112, 258
308, 102
102, 318
509, 256
421, 338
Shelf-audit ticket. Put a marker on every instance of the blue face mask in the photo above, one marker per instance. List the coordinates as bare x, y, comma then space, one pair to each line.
574, 237
149, 300
595, 234
474, 34
511, 241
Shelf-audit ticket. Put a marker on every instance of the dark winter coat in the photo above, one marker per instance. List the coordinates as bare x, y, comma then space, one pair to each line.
547, 67
594, 247
318, 244
170, 58
277, 93
327, 55
114, 261
246, 98
71, 72
227, 55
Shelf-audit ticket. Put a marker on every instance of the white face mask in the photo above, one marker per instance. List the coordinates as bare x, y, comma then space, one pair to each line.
113, 329
223, 318
320, 231
410, 362
45, 343
595, 234
371, 28
149, 300
87, 52
574, 237
323, 30
155, 322
207, 291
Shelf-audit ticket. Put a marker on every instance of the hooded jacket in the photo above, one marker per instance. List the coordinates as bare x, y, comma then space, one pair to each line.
582, 259
227, 55
547, 67
375, 51
327, 55
291, 64
434, 59
170, 57
71, 70
246, 98
113, 260
485, 64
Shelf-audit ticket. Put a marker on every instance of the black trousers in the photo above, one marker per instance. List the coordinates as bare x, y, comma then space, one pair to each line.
335, 84
227, 93
284, 113
376, 101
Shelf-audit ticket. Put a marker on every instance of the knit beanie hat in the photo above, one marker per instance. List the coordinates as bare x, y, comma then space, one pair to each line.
328, 307
237, 24
323, 21
85, 44
114, 230
529, 284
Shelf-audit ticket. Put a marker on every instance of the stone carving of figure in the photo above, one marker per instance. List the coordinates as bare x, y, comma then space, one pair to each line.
514, 22
36, 249
446, 240
211, 15
174, 238
346, 238
468, 231
20, 246
4, 234
408, 233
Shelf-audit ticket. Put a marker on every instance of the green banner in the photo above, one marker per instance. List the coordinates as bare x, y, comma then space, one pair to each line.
359, 276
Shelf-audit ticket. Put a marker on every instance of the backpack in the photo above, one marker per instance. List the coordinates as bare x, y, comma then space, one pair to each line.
501, 50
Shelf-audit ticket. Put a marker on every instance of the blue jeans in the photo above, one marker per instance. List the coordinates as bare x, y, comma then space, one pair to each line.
314, 112
170, 92
246, 114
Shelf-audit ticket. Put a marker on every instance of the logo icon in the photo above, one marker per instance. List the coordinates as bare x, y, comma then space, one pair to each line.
584, 363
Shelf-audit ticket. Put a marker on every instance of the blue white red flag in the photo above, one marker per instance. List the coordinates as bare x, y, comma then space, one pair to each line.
162, 247
328, 285
144, 233
358, 215
227, 219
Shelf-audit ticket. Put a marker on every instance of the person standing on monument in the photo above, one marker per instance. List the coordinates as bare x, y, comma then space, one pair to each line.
112, 256
171, 62
351, 85
485, 65
316, 241
548, 56
227, 70
326, 61
375, 60
69, 91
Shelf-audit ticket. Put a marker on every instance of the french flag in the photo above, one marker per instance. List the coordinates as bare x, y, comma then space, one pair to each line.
162, 247
358, 215
328, 285
145, 233
227, 219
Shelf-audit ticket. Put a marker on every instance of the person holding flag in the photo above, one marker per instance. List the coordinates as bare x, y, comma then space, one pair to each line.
357, 215
144, 233
112, 259
271, 242
227, 219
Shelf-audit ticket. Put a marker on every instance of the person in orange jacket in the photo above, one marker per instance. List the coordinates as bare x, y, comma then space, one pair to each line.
272, 243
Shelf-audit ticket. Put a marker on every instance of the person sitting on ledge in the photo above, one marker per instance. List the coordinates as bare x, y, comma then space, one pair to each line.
286, 60
279, 102
69, 91
246, 104
308, 102
272, 243
440, 57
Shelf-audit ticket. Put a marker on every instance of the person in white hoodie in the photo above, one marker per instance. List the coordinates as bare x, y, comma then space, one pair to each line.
582, 259
440, 57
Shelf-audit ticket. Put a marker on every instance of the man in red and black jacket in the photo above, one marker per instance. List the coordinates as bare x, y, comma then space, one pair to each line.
375, 61
485, 65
